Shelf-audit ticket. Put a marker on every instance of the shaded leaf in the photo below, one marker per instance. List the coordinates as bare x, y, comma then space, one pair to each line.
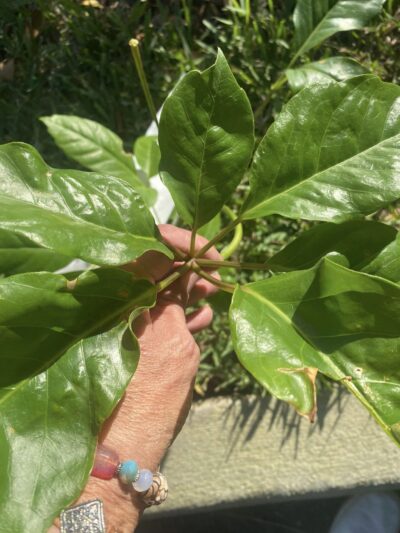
92, 145
336, 68
212, 227
333, 153
18, 254
49, 428
360, 241
206, 141
316, 20
97, 148
387, 263
43, 314
147, 154
343, 323
91, 216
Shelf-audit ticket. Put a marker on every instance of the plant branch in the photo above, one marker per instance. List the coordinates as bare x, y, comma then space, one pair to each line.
217, 237
223, 285
166, 282
209, 263
237, 237
134, 44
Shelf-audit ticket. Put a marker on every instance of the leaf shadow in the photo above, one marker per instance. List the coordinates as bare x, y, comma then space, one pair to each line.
244, 417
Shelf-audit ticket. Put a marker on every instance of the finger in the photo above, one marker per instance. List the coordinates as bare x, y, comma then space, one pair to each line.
180, 239
199, 319
203, 289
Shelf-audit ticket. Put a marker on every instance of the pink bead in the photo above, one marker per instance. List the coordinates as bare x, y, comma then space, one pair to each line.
105, 463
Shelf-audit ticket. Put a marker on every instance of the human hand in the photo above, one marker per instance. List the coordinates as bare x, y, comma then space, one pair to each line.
158, 398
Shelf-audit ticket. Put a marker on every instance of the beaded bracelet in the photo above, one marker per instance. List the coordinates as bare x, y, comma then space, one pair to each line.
107, 465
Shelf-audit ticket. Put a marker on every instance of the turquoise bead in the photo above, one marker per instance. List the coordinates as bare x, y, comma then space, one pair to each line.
128, 471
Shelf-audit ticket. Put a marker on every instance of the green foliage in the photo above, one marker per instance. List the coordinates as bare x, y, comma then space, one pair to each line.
201, 138
317, 163
331, 155
101, 218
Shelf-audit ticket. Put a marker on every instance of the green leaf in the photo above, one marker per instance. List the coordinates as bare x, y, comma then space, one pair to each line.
148, 154
18, 254
42, 315
49, 427
342, 323
212, 227
360, 241
95, 217
336, 68
206, 141
316, 20
92, 145
97, 148
333, 153
387, 263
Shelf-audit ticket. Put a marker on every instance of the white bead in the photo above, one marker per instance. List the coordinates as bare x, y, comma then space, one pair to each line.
144, 481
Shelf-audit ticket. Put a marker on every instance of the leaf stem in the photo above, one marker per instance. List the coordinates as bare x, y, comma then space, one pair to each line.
218, 237
164, 283
134, 45
237, 237
279, 82
209, 263
223, 285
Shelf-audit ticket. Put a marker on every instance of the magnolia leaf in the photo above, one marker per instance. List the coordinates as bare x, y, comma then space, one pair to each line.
96, 147
49, 428
360, 241
206, 141
44, 314
92, 145
343, 323
212, 227
316, 20
147, 154
336, 68
18, 254
387, 263
333, 153
94, 217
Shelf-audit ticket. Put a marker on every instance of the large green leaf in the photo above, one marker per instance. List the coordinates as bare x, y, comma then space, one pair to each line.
206, 141
316, 20
44, 314
95, 217
333, 153
343, 323
336, 68
360, 241
387, 263
49, 428
18, 254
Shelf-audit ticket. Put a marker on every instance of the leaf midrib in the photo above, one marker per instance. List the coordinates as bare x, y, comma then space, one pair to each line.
320, 173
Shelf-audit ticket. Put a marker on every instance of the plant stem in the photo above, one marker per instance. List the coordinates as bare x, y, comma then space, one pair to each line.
209, 263
223, 285
237, 237
279, 83
218, 237
164, 283
134, 44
